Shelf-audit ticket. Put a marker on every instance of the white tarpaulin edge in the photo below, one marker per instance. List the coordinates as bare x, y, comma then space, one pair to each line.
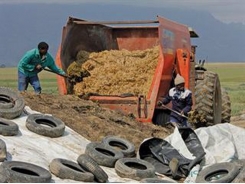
221, 142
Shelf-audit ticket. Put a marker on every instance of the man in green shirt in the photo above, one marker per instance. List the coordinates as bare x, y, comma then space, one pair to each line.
32, 63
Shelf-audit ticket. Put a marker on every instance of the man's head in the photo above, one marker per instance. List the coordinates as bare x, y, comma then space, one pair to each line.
43, 48
179, 82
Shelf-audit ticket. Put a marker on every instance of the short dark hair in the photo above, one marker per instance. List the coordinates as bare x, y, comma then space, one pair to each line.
42, 45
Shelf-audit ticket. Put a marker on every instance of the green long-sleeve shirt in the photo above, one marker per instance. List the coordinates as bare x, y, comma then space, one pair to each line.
32, 58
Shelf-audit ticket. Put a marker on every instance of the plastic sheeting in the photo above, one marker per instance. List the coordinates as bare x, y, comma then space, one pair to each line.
40, 150
221, 142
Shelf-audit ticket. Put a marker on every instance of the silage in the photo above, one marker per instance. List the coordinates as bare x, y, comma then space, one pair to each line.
116, 72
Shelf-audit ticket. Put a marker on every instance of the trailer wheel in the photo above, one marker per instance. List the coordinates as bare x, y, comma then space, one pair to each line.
208, 98
22, 172
226, 107
123, 145
161, 117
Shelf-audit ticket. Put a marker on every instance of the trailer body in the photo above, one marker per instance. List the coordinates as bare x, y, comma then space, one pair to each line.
174, 40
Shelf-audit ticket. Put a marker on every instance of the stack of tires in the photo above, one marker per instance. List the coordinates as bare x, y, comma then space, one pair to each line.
112, 152
119, 153
11, 107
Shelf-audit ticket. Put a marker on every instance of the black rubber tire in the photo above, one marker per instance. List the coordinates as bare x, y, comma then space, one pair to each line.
3, 151
55, 127
3, 178
205, 175
208, 98
118, 143
86, 162
240, 178
155, 180
5, 102
66, 169
161, 117
134, 168
8, 127
22, 172
102, 154
16, 99
226, 107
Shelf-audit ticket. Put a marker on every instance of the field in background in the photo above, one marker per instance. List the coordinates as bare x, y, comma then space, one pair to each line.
8, 78
232, 78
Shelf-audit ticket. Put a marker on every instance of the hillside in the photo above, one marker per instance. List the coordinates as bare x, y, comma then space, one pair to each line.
21, 31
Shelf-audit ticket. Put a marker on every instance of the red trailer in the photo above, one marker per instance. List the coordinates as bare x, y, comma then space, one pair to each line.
174, 57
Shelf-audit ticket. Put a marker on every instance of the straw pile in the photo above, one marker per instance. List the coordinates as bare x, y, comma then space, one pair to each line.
115, 72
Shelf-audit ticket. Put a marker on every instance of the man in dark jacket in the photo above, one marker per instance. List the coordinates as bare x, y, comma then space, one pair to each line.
181, 102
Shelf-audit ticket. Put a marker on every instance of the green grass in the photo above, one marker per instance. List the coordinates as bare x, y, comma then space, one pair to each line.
232, 78
9, 78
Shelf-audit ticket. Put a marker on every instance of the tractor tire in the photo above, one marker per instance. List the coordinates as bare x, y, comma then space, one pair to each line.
208, 98
226, 107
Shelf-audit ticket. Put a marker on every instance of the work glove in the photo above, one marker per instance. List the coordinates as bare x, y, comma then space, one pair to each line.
159, 103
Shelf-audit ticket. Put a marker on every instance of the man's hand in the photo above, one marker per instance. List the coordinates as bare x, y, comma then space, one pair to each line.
159, 103
39, 67
182, 113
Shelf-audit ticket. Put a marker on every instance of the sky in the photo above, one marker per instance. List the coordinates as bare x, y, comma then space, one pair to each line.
227, 11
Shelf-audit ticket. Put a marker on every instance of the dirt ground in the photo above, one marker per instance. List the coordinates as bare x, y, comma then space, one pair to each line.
91, 121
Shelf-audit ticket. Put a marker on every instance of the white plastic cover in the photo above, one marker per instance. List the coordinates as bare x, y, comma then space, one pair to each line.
221, 142
40, 150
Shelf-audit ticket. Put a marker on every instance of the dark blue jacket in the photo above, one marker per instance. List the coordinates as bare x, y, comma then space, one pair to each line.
181, 101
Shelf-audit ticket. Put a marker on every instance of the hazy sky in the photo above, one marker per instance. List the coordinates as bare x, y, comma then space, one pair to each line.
224, 10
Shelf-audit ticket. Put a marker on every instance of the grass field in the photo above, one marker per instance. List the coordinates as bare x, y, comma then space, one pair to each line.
8, 78
232, 78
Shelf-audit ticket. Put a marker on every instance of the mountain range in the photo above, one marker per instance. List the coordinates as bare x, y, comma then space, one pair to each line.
23, 26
